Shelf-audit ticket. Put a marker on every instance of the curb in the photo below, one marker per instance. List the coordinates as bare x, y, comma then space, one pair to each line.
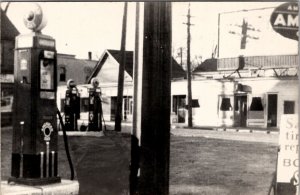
83, 133
220, 129
264, 131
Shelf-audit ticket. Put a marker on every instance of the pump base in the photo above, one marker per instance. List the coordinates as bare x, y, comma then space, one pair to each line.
66, 187
34, 181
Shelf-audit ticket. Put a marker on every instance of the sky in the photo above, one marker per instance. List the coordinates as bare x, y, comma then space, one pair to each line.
80, 27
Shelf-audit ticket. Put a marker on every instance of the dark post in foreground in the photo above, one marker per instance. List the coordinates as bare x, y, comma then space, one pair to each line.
156, 94
118, 118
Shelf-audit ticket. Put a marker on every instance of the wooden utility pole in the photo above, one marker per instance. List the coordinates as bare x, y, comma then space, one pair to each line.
118, 118
189, 79
137, 99
181, 57
6, 7
156, 101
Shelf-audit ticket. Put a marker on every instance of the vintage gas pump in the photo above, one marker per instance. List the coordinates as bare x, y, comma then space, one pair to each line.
72, 106
95, 107
34, 150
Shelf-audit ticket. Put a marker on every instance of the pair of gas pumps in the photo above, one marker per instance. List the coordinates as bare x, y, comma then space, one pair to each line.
35, 132
72, 107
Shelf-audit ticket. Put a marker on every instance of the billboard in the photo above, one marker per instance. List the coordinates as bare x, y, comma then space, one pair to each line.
250, 33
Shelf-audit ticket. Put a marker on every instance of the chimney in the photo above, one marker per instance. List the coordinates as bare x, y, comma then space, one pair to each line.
90, 55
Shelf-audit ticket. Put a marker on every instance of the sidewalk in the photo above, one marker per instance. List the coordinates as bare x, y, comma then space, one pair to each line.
231, 129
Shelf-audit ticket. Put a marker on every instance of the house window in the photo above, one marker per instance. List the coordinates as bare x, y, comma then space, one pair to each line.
62, 74
256, 104
178, 103
289, 107
225, 104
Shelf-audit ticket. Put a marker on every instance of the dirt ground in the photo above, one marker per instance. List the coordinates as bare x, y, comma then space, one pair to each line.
198, 165
214, 166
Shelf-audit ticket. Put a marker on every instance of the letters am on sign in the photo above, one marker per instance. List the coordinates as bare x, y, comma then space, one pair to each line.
284, 20
288, 156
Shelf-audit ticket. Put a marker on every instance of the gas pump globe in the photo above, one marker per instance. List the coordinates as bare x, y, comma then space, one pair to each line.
34, 150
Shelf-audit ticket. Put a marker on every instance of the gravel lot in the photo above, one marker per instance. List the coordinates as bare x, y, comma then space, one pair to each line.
200, 163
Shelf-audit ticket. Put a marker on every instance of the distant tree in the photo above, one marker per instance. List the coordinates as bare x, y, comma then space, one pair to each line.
179, 55
196, 61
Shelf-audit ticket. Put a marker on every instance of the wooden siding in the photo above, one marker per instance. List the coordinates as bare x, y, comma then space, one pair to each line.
260, 62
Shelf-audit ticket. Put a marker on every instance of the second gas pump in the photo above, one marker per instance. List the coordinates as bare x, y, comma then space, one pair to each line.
95, 107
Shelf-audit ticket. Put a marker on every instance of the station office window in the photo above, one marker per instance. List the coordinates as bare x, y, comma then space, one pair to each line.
225, 104
256, 104
289, 107
84, 104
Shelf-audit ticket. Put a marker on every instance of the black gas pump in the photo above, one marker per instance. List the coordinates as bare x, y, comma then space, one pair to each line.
95, 107
72, 106
34, 150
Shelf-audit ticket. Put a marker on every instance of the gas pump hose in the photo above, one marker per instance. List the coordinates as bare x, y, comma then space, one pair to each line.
66, 144
103, 120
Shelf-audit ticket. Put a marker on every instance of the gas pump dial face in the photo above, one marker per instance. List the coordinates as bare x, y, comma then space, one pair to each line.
47, 129
47, 73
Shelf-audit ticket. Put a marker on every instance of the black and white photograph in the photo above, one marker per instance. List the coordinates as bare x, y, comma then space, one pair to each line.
149, 98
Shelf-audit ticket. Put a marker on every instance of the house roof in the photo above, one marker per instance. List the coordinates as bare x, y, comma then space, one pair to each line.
77, 69
207, 65
177, 70
129, 59
8, 30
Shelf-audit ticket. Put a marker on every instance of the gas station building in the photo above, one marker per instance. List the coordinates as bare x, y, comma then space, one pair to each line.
224, 94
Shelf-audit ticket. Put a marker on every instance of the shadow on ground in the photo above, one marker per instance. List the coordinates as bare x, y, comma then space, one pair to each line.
101, 163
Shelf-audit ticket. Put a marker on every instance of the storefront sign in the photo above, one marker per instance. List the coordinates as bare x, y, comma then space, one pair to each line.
284, 20
288, 156
46, 42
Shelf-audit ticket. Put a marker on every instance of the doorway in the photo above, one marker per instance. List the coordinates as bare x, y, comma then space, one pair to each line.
272, 110
179, 107
240, 110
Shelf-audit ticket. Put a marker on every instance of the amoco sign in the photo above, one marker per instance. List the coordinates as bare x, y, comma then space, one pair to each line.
284, 20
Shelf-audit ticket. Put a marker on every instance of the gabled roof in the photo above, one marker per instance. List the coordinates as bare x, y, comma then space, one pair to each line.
129, 59
8, 30
177, 70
